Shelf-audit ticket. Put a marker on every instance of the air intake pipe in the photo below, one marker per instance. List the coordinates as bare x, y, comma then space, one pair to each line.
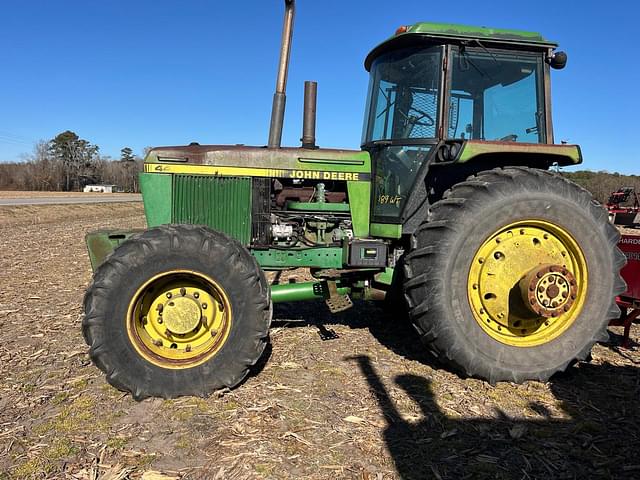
280, 97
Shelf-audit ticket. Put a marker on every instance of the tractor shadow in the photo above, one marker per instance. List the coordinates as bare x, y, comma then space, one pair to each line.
598, 440
392, 330
597, 437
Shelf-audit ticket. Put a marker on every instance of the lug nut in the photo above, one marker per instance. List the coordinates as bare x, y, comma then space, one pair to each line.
475, 286
204, 306
157, 343
160, 320
169, 295
183, 291
213, 333
188, 348
196, 295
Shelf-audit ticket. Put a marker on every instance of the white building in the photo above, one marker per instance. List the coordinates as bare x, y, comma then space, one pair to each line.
100, 188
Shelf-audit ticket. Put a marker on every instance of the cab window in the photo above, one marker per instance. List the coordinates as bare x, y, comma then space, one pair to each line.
497, 96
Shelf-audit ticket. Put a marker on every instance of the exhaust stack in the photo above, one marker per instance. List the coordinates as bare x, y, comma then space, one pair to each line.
280, 97
309, 117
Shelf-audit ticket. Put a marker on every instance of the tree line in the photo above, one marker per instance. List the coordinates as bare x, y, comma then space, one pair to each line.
602, 184
67, 163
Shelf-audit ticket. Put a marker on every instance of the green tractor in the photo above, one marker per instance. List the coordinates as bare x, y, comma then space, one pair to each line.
506, 270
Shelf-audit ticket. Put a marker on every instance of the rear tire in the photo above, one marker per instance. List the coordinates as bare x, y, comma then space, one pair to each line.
442, 268
215, 326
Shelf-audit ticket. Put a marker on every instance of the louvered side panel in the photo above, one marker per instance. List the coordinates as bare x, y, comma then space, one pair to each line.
222, 203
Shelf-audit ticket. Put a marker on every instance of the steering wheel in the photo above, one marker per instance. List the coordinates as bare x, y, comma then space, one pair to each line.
418, 120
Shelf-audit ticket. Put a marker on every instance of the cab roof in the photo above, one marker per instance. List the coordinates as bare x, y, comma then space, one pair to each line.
429, 32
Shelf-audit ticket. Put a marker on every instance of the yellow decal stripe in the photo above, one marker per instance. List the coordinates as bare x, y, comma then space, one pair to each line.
217, 170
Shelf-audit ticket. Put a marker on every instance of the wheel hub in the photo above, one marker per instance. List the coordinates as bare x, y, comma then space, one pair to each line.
549, 290
182, 315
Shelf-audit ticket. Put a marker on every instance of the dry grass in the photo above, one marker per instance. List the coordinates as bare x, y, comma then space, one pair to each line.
368, 405
37, 194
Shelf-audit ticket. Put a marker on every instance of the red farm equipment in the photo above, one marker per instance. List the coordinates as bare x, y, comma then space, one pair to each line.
624, 215
629, 301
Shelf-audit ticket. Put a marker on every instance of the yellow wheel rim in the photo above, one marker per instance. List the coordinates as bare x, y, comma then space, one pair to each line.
527, 283
179, 319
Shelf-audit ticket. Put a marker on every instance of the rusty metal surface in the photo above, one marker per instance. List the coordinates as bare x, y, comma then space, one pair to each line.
304, 194
242, 155
524, 146
549, 290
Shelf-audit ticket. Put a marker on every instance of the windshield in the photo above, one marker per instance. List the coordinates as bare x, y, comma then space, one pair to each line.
403, 95
497, 96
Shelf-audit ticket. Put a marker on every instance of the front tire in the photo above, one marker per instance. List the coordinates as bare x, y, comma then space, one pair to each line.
514, 275
177, 310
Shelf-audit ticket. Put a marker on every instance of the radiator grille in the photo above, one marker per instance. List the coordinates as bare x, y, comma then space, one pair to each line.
222, 203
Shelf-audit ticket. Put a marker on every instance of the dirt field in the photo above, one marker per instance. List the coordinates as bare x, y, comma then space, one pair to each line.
368, 405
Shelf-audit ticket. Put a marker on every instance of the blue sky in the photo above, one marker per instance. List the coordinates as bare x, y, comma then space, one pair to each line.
146, 73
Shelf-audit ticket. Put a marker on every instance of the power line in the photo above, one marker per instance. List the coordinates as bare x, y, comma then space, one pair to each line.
12, 141
14, 135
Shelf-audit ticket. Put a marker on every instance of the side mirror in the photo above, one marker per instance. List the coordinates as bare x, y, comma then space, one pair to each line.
558, 60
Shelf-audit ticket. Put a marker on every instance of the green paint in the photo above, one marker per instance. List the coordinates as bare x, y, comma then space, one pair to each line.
385, 277
222, 203
102, 242
322, 257
296, 292
561, 154
386, 230
157, 190
446, 33
343, 161
465, 31
318, 206
360, 201
324, 160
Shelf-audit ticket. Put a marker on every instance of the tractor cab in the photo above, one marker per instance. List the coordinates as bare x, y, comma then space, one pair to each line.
435, 87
